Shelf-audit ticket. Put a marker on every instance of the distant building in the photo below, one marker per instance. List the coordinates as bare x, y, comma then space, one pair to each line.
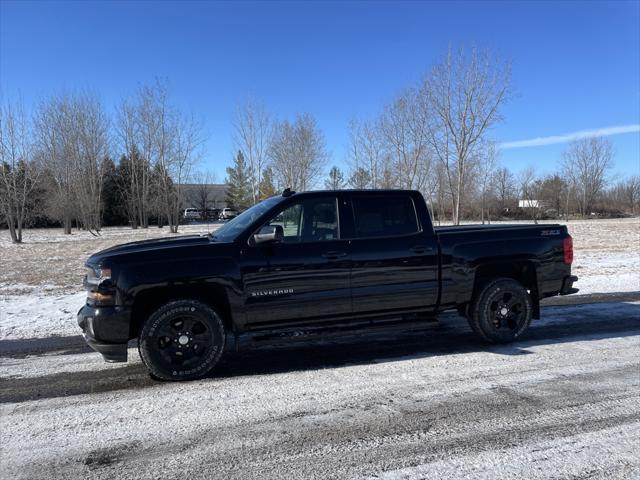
194, 195
529, 203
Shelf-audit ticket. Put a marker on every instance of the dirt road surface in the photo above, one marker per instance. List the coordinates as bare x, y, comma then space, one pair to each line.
430, 403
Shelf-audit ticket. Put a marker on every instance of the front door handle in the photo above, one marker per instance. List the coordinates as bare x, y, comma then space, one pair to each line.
334, 255
421, 249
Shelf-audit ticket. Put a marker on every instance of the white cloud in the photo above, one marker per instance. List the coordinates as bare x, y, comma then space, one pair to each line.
569, 137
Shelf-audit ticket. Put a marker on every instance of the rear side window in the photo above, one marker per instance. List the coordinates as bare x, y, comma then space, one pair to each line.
384, 216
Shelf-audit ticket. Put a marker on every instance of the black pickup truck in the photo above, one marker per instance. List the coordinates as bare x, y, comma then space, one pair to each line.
316, 262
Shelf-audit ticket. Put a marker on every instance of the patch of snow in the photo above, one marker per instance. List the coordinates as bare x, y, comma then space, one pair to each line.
30, 316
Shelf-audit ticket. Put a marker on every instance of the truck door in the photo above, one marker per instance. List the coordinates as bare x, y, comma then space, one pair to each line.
306, 276
394, 256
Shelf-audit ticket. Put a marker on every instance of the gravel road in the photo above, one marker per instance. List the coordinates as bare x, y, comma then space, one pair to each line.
430, 403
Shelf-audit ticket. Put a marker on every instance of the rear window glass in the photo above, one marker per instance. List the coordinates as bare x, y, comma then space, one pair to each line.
384, 216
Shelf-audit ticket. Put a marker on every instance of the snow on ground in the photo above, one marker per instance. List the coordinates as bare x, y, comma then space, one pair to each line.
606, 255
561, 403
29, 316
434, 403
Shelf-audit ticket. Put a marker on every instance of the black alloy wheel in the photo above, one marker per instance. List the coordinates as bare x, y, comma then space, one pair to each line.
182, 340
502, 311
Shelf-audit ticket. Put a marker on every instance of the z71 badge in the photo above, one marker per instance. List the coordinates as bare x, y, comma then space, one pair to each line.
270, 293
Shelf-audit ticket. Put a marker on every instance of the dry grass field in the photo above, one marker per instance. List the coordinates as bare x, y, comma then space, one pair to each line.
607, 255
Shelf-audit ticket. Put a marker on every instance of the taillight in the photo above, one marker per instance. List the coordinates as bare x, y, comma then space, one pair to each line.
568, 250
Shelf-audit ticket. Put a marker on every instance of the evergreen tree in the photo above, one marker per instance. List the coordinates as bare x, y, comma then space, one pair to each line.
335, 180
133, 175
267, 187
238, 184
360, 178
114, 211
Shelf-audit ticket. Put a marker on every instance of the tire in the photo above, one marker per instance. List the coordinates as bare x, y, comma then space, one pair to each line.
182, 340
502, 311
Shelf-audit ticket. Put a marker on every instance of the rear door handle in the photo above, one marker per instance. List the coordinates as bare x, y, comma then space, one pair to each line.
420, 249
334, 255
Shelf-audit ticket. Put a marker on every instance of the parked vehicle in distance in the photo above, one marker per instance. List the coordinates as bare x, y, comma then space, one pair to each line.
316, 263
212, 214
191, 214
228, 214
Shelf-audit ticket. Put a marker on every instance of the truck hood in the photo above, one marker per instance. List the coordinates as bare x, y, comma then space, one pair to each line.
147, 245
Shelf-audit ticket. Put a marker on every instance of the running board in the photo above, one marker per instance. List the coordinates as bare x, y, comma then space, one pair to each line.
344, 331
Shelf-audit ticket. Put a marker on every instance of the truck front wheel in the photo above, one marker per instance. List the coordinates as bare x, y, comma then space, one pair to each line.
502, 311
182, 340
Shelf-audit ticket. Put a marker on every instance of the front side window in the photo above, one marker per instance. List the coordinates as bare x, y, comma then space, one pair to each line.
311, 220
231, 230
384, 216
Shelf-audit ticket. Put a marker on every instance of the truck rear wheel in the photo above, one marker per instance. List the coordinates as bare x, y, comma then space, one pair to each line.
502, 311
182, 340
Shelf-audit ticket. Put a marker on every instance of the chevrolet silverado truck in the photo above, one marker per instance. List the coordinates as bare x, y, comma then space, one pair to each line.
322, 263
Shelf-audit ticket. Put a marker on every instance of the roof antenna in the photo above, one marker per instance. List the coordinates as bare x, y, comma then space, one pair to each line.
287, 192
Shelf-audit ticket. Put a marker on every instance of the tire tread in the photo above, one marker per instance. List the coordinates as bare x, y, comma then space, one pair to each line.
143, 349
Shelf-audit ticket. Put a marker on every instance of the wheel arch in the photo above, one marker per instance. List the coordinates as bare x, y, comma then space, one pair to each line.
523, 271
147, 301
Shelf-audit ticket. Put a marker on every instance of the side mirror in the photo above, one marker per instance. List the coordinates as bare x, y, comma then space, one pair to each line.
269, 234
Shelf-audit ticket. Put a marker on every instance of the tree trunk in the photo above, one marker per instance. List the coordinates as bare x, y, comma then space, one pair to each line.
12, 231
67, 225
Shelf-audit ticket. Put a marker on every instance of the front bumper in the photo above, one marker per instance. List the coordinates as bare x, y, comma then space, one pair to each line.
106, 330
567, 285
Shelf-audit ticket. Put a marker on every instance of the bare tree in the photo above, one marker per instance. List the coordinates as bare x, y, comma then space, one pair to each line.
505, 187
201, 196
464, 94
367, 149
403, 127
91, 127
486, 164
630, 193
586, 163
553, 190
298, 153
162, 144
253, 132
18, 172
530, 193
131, 136
174, 148
56, 144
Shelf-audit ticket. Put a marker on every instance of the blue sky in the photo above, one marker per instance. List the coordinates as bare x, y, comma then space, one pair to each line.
576, 65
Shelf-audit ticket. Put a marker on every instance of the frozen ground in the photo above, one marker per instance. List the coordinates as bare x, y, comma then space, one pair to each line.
50, 263
431, 403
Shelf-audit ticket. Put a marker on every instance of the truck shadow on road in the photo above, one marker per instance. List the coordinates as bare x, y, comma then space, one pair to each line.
451, 335
24, 347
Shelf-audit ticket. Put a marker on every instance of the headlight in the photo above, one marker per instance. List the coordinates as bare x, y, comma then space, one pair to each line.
99, 298
95, 275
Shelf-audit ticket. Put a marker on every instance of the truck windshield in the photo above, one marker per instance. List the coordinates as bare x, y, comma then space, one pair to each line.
230, 231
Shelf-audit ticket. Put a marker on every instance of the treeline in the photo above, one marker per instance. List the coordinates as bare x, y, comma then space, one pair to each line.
58, 162
434, 136
69, 162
